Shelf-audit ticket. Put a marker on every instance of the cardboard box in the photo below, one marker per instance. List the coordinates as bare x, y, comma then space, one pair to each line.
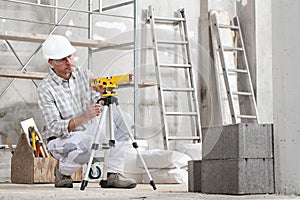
25, 168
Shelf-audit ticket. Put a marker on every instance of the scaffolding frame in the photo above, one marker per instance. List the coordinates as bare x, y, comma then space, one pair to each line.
92, 45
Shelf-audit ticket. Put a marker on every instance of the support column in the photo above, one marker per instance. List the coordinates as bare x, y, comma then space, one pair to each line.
257, 31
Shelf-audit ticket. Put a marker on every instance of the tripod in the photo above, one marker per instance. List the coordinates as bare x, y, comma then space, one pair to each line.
108, 103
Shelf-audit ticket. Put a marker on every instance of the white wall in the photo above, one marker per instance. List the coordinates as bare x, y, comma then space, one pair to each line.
257, 32
286, 40
150, 124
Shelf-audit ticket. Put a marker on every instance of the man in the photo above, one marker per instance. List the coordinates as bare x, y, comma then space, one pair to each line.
69, 108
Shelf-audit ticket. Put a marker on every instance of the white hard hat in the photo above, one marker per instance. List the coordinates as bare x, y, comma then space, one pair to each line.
57, 47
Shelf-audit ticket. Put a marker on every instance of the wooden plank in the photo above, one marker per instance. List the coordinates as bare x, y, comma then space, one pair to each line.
40, 38
147, 84
23, 75
5, 165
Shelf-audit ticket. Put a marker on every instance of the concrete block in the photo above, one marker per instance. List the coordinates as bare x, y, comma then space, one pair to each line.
237, 176
238, 141
194, 176
5, 165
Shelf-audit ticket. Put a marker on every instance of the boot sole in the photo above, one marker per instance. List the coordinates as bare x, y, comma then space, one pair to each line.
133, 185
64, 186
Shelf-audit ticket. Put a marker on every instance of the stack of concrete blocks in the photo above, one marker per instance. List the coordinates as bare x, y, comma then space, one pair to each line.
237, 159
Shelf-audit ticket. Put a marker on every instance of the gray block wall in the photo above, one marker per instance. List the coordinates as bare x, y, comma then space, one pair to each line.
237, 159
238, 141
237, 176
194, 176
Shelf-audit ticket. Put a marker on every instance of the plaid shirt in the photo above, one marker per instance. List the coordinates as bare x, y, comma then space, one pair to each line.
60, 100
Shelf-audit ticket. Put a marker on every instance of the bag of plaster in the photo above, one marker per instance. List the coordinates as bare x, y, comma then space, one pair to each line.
167, 176
163, 159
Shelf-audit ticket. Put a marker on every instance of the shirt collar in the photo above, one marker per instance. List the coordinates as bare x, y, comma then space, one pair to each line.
60, 80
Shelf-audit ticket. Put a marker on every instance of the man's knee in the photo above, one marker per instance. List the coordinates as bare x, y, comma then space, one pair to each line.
82, 158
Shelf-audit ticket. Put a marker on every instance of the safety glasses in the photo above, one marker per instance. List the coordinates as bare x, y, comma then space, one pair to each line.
63, 60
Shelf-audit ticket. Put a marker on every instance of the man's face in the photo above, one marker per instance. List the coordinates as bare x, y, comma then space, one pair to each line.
64, 65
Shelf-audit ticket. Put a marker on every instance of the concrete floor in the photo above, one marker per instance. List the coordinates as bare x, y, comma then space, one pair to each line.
93, 191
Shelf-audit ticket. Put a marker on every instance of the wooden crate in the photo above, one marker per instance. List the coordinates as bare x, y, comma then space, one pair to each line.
25, 168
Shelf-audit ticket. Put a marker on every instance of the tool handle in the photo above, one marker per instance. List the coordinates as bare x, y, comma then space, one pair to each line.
38, 148
33, 141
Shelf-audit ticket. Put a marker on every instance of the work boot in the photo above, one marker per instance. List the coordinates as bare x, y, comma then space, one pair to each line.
62, 181
117, 180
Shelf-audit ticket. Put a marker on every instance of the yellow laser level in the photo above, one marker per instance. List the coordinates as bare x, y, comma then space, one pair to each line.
110, 83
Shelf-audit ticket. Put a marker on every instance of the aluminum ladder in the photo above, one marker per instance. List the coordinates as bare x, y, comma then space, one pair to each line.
247, 111
185, 65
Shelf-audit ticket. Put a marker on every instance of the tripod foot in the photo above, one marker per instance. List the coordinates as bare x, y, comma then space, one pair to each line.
83, 184
153, 185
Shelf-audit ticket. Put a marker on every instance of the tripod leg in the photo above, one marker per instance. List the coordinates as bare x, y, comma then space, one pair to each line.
111, 127
95, 147
111, 144
135, 145
103, 182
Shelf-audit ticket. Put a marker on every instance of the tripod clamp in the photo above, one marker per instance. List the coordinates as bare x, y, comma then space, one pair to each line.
108, 100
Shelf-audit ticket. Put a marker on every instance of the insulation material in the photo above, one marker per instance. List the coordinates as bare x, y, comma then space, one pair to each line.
165, 166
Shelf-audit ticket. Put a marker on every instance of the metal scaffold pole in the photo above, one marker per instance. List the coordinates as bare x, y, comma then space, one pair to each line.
37, 50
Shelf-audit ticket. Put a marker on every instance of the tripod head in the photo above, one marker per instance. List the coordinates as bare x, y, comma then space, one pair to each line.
110, 83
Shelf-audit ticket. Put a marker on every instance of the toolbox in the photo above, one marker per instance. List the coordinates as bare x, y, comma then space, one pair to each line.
27, 168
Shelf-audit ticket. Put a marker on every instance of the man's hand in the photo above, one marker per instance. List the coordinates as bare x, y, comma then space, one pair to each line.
97, 88
93, 111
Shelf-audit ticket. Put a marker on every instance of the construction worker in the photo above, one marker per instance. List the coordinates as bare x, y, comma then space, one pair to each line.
68, 106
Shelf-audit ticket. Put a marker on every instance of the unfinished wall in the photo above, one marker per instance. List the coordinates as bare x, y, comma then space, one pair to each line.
210, 104
150, 125
256, 30
109, 62
286, 20
19, 101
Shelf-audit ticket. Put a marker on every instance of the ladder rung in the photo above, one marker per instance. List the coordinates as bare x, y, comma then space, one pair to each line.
184, 138
247, 116
181, 113
178, 89
171, 42
175, 65
229, 26
237, 70
227, 48
173, 19
241, 93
